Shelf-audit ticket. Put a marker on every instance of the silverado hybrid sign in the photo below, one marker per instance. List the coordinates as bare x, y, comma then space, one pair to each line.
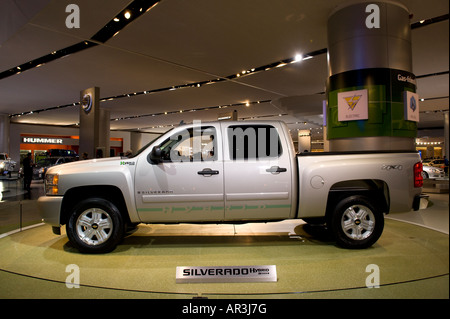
226, 274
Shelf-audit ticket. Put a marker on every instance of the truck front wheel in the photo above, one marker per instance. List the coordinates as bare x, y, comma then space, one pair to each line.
356, 222
95, 226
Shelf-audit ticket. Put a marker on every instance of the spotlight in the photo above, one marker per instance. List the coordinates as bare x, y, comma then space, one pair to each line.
298, 58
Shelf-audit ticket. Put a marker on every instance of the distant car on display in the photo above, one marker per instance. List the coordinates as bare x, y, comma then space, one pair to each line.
436, 163
6, 164
61, 152
43, 165
432, 172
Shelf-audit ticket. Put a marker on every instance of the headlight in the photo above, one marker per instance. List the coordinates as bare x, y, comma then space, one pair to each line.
51, 184
2, 164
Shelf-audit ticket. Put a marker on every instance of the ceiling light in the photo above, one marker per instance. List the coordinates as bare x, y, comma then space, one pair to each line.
298, 57
116, 19
127, 15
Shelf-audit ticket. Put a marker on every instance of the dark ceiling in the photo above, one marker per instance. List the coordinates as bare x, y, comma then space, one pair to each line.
196, 59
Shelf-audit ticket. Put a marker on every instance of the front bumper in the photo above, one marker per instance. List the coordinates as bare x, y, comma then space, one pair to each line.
50, 209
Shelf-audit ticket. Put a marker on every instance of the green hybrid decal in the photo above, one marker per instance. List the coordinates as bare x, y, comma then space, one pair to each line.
191, 209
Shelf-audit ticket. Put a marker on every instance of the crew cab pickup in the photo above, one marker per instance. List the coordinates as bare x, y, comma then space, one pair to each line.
229, 172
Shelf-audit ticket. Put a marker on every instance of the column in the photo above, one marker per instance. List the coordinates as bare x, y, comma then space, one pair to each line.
304, 141
372, 103
94, 125
446, 143
4, 133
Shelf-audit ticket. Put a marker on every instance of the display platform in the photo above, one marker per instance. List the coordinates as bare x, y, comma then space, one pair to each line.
413, 262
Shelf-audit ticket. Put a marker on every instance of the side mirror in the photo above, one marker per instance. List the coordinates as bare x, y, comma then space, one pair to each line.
155, 155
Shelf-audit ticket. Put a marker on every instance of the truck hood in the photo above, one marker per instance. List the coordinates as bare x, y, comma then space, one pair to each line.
90, 165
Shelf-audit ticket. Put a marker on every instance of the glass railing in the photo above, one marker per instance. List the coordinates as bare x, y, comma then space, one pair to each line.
18, 208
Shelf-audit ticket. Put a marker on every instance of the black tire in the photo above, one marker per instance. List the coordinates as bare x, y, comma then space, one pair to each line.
356, 223
95, 226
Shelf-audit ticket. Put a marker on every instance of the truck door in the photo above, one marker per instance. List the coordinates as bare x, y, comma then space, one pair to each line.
257, 172
187, 185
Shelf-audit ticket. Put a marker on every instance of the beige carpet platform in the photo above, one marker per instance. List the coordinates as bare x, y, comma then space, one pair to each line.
413, 262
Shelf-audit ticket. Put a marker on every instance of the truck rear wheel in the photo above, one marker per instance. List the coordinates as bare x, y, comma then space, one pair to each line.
95, 226
356, 223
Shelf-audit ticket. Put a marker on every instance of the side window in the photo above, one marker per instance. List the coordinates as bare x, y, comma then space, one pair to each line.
253, 142
191, 145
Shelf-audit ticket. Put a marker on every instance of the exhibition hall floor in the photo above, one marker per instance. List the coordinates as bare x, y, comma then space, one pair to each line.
412, 257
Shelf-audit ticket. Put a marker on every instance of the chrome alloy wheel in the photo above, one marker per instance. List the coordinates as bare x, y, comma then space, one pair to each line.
358, 222
94, 226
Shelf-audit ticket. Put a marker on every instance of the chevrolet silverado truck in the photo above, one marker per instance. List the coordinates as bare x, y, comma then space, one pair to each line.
230, 172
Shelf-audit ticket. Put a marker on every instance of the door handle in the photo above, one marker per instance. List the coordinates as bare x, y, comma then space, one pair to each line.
208, 171
276, 169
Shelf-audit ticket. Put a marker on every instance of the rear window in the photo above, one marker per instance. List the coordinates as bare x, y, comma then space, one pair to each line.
253, 142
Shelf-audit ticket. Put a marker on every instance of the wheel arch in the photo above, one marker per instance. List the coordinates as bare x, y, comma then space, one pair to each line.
376, 190
108, 192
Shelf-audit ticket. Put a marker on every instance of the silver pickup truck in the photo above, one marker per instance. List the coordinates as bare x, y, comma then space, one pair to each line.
230, 172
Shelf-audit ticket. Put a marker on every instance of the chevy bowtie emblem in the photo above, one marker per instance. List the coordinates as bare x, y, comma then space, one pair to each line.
352, 101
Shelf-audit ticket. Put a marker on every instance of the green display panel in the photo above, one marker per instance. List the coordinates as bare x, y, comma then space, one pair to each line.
386, 110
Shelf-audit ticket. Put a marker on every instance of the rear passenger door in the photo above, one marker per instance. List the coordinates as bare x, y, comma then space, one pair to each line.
257, 172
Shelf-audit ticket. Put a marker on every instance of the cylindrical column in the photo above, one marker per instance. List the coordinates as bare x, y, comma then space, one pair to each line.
370, 65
